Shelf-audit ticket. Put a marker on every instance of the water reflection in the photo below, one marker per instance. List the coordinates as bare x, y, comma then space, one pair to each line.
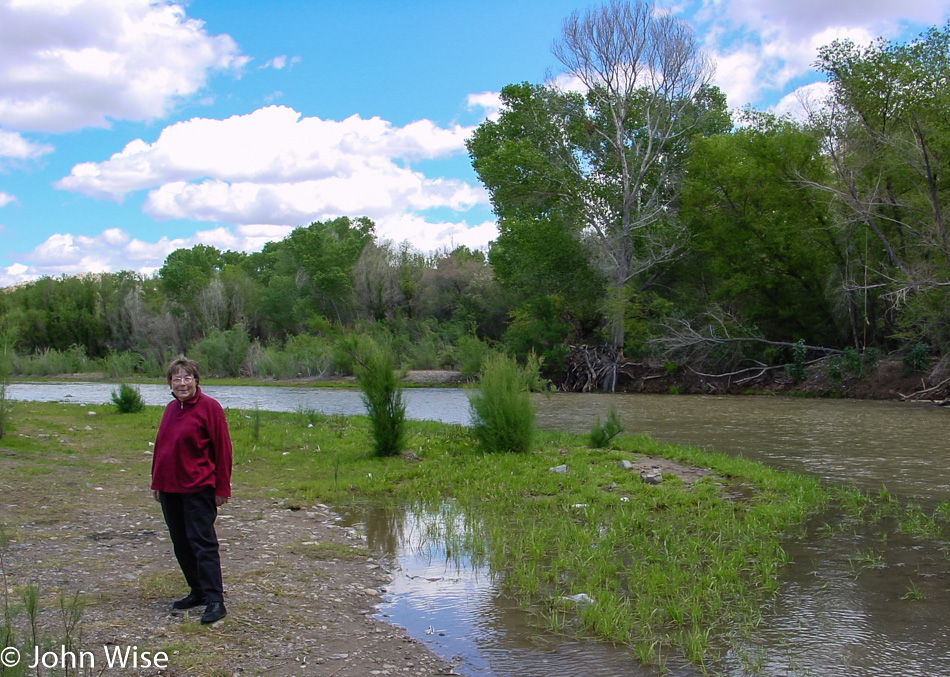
458, 610
831, 616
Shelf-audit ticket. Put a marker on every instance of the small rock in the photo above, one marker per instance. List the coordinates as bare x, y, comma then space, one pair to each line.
560, 469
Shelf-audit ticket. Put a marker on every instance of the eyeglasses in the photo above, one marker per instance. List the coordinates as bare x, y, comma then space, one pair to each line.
183, 379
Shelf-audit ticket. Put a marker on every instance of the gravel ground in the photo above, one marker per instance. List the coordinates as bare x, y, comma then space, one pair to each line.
300, 590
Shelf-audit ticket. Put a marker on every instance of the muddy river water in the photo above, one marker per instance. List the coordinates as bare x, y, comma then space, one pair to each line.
826, 619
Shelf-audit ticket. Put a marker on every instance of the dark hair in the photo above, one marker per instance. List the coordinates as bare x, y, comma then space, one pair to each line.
189, 366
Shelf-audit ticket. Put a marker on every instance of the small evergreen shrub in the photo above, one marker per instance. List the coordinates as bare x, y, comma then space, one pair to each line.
382, 395
797, 367
834, 369
853, 362
502, 412
602, 432
916, 359
127, 400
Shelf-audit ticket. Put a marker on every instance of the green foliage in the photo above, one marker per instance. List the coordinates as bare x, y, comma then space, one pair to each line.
501, 410
541, 325
382, 395
796, 368
53, 362
6, 360
127, 399
760, 240
534, 382
888, 132
301, 356
835, 369
471, 353
852, 361
916, 359
117, 364
601, 433
222, 353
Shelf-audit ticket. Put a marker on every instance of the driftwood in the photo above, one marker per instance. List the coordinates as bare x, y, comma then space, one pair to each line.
939, 394
589, 368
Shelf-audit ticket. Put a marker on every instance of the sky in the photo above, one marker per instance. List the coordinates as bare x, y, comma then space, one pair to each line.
132, 128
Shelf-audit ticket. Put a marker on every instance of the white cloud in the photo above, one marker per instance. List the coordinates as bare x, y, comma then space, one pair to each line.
14, 146
69, 65
6, 198
428, 236
270, 145
488, 102
261, 175
281, 62
762, 47
802, 101
114, 249
274, 167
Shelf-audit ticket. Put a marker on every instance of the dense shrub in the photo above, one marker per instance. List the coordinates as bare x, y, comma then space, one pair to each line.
222, 353
382, 395
602, 432
502, 412
916, 359
128, 399
121, 364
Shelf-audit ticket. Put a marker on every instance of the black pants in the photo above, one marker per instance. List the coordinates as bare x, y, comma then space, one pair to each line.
190, 519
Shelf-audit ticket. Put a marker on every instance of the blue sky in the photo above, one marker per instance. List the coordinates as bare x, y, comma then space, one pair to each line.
131, 128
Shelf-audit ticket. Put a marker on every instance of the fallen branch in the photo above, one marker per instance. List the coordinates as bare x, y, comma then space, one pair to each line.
921, 394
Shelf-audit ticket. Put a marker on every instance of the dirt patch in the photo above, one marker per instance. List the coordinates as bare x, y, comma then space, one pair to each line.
651, 466
300, 590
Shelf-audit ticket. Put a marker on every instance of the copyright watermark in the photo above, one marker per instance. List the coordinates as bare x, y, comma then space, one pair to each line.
65, 659
10, 657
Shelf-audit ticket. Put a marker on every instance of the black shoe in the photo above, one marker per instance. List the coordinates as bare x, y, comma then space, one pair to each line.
214, 612
190, 602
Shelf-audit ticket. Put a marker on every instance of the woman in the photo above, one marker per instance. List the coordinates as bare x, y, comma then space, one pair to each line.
191, 478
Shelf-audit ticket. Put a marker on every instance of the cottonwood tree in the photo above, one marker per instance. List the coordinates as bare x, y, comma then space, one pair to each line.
643, 70
605, 168
887, 136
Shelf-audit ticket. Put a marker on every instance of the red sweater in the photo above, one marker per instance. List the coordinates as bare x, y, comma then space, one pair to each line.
192, 448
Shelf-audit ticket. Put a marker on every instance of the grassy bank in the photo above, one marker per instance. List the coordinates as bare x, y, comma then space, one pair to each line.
676, 568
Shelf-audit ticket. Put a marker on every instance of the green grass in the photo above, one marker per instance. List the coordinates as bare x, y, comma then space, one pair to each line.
669, 569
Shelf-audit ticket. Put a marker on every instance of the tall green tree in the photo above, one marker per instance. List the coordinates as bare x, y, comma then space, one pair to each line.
310, 272
643, 72
604, 169
761, 242
887, 135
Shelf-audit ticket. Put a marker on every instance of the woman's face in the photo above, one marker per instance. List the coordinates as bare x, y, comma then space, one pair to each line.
183, 385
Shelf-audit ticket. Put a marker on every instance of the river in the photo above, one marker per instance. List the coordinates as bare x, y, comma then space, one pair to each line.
828, 619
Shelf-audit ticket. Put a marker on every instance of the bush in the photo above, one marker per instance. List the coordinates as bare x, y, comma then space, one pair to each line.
128, 400
916, 359
222, 353
382, 395
797, 368
602, 433
502, 413
117, 365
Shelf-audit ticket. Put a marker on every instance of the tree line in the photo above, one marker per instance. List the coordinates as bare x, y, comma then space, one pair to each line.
642, 216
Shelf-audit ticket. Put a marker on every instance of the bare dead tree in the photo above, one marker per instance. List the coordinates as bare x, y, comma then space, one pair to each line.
642, 69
